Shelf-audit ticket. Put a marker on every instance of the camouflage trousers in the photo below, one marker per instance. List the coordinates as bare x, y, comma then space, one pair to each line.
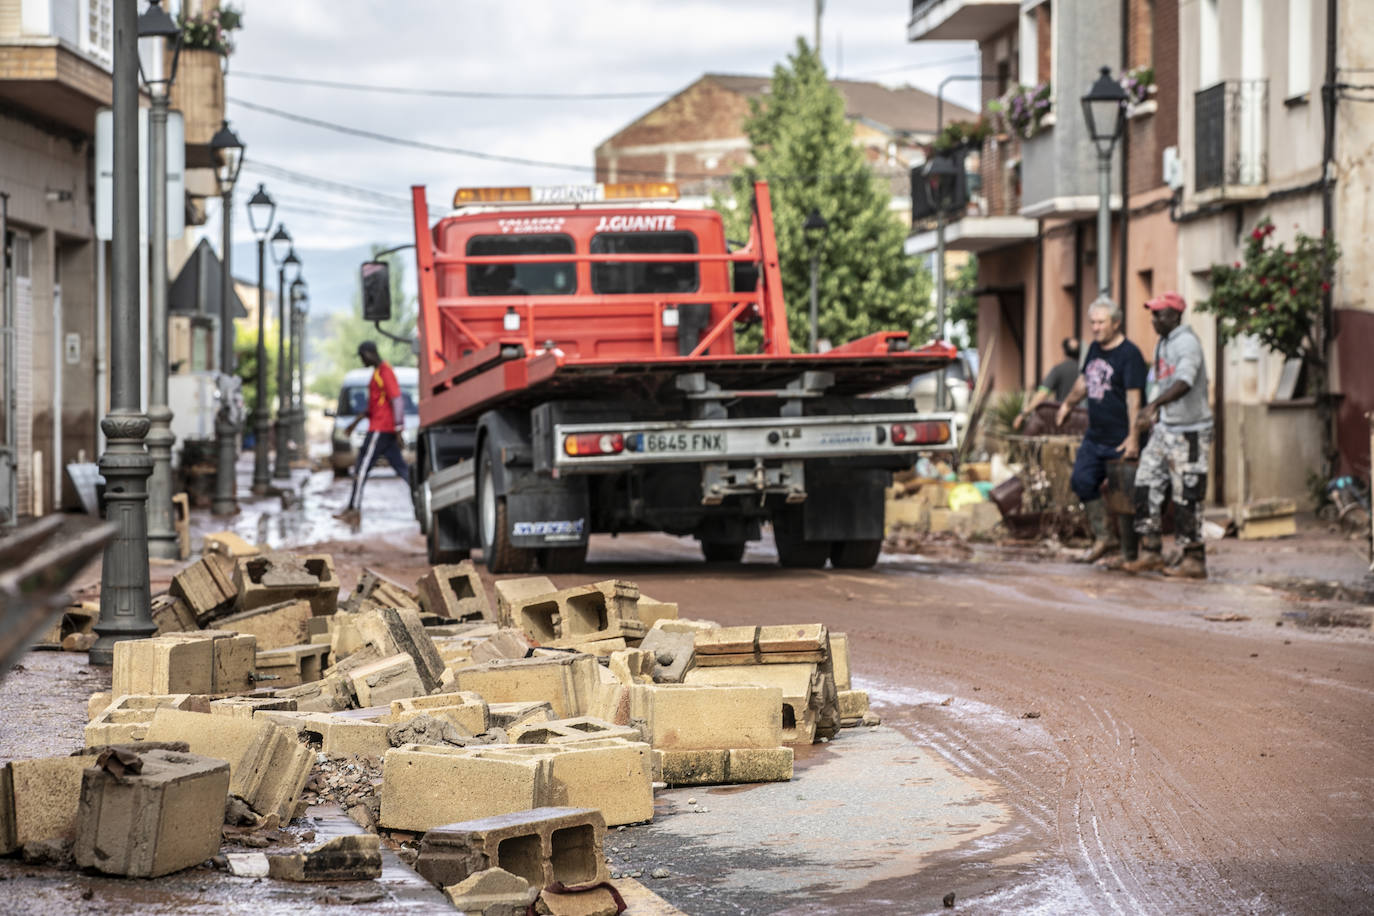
1173, 462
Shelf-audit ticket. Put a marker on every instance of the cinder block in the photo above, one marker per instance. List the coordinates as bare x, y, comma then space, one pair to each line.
247, 707
164, 818
344, 735
759, 764
492, 890
399, 630
839, 660
163, 665
912, 512
723, 767
291, 666
424, 786
796, 683
762, 645
454, 592
357, 857
391, 678
173, 615
381, 591
612, 775
693, 717
939, 519
652, 611
511, 715
631, 666
268, 765
465, 709
207, 588
569, 731
233, 657
602, 610
45, 794
565, 682
806, 637
512, 591
98, 703
542, 846
127, 718
274, 626
329, 694
228, 544
853, 707
673, 654
685, 625
507, 642
272, 578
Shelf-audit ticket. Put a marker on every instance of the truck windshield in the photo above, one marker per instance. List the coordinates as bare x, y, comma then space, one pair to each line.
557, 279
644, 277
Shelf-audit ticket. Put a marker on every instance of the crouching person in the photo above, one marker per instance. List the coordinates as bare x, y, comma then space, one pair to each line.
1178, 453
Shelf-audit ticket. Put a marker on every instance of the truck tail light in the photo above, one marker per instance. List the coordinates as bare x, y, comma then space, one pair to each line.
930, 432
594, 444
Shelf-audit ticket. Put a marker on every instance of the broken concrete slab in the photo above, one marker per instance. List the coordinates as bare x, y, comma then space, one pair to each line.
508, 716
674, 654
592, 901
391, 678
357, 857
465, 709
227, 544
126, 718
399, 630
566, 681
272, 578
207, 587
853, 706
839, 660
247, 707
685, 625
542, 846
426, 786
381, 591
330, 693
274, 626
39, 799
454, 592
159, 814
507, 642
631, 666
492, 891
565, 731
173, 615
430, 730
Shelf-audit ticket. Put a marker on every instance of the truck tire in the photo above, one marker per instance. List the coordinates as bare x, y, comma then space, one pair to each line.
793, 550
563, 559
493, 525
440, 555
855, 554
722, 551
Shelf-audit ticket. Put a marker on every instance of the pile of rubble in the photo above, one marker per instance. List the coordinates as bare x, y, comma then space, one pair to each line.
502, 740
937, 502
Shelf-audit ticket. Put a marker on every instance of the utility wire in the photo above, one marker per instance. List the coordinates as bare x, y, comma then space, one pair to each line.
323, 184
452, 93
927, 65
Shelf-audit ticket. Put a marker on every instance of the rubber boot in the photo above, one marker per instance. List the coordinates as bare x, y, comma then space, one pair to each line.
1192, 566
1104, 534
1130, 543
1151, 556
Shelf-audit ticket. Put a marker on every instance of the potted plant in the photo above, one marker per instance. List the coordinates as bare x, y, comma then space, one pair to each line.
962, 135
210, 30
206, 41
1022, 109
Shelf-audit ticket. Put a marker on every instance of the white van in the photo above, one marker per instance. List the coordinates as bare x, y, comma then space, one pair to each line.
353, 401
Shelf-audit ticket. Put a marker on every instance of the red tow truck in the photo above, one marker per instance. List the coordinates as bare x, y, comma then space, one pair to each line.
579, 374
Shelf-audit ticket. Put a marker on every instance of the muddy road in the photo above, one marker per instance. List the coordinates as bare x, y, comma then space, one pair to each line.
1074, 740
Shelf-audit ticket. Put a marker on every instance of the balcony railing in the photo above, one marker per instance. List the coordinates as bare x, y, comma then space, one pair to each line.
1231, 129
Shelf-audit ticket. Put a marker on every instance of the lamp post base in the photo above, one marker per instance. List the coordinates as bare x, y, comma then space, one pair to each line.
262, 470
226, 474
162, 535
282, 467
125, 599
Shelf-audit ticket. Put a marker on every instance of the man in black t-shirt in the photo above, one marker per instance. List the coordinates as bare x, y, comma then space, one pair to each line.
1056, 385
1113, 381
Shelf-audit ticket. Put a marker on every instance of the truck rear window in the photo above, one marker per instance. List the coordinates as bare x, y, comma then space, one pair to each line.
644, 277
556, 279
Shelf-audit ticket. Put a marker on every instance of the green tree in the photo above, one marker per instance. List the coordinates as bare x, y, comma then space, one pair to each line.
336, 351
804, 148
246, 354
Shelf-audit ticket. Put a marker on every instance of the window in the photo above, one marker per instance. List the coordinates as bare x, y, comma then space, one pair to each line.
353, 399
537, 279
1299, 47
97, 31
644, 276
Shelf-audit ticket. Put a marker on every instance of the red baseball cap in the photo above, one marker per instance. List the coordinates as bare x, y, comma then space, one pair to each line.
1169, 300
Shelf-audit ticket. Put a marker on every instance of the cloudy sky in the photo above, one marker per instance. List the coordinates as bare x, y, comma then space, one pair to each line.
334, 189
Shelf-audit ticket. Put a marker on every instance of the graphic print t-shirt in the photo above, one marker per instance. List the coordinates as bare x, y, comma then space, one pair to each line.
381, 391
1109, 374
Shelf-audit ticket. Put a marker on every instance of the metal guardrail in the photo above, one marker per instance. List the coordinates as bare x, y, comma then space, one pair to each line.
1231, 124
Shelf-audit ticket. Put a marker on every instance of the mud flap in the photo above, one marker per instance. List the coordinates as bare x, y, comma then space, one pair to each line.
549, 513
843, 504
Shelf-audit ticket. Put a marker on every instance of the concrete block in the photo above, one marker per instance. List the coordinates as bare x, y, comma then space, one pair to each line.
492, 890
227, 544
723, 767
341, 736
247, 707
399, 630
601, 648
631, 666
566, 682
268, 766
163, 818
839, 660
98, 703
426, 786
44, 795
173, 615
853, 707
691, 717
594, 901
507, 642
163, 665
357, 857
512, 591
602, 610
807, 637
127, 718
673, 653
762, 645
939, 519
207, 588
651, 611
510, 715
465, 709
291, 666
381, 591
685, 625
800, 686
542, 846
455, 592
569, 731
329, 694
232, 658
271, 578
274, 626
759, 764
912, 512
391, 678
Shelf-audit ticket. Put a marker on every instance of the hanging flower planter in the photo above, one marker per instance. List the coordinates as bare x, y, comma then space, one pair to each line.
1023, 110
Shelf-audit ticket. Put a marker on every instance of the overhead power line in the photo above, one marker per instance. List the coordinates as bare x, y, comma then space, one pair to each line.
924, 65
353, 192
450, 93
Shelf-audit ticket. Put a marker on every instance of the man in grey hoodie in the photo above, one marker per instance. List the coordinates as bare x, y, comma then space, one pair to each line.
1178, 453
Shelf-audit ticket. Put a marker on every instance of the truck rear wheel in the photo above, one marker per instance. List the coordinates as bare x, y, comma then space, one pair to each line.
494, 525
793, 549
855, 554
722, 551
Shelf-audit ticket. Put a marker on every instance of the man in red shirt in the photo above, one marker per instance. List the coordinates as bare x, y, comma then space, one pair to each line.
385, 419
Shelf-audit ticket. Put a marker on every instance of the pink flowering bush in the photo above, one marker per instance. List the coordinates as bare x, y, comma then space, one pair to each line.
1022, 109
210, 31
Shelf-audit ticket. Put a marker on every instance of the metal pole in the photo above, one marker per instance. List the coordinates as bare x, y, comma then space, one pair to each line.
1104, 223
815, 300
940, 297
162, 533
283, 464
262, 419
226, 430
292, 362
125, 600
300, 390
9, 512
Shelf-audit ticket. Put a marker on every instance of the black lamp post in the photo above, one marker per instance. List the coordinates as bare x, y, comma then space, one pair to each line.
284, 256
941, 175
1104, 108
813, 230
228, 151
300, 306
261, 210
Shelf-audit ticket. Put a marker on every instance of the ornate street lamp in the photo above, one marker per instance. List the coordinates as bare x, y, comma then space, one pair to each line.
1104, 108
300, 307
813, 230
154, 24
941, 175
227, 149
261, 210
288, 271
